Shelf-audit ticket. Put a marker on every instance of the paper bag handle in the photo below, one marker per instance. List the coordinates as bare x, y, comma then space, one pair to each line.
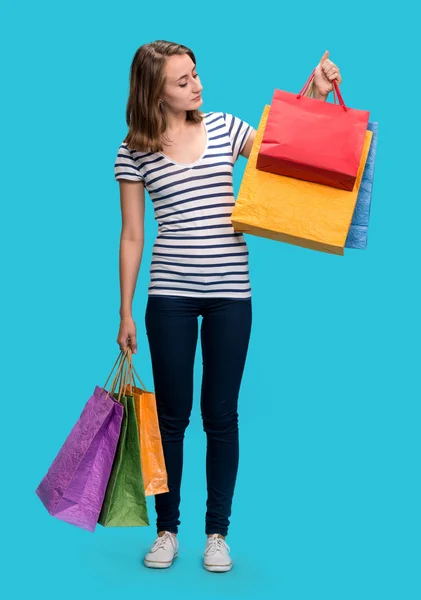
120, 378
118, 360
132, 370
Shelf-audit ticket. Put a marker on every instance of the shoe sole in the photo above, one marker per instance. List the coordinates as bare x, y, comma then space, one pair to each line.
218, 568
159, 565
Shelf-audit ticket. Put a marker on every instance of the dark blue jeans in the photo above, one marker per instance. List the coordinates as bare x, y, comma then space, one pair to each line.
172, 330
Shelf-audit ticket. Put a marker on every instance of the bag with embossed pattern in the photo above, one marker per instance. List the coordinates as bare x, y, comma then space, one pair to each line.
74, 487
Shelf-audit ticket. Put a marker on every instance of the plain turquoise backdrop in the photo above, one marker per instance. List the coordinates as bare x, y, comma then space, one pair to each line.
327, 502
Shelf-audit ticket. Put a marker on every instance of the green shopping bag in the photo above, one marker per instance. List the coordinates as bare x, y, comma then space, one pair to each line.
124, 503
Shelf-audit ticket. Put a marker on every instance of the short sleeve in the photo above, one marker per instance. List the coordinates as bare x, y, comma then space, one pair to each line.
125, 166
238, 131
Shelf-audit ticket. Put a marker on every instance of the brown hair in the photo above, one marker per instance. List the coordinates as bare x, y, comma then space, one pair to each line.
144, 114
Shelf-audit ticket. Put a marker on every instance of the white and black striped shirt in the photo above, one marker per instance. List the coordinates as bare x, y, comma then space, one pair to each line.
196, 253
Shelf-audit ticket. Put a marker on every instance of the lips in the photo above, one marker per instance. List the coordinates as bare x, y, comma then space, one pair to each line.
197, 97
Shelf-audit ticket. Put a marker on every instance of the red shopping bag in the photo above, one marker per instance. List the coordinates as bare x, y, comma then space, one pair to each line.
313, 140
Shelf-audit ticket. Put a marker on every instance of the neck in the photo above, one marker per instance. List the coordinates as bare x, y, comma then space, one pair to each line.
176, 122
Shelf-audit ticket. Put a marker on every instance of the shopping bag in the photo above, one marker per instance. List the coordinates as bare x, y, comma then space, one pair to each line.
313, 140
152, 459
358, 232
73, 488
291, 210
125, 502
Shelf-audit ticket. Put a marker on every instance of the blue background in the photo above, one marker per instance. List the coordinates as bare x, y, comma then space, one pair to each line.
327, 502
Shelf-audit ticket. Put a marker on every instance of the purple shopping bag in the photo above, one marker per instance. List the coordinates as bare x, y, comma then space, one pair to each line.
74, 487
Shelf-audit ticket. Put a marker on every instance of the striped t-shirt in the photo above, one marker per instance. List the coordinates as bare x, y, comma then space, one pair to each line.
196, 253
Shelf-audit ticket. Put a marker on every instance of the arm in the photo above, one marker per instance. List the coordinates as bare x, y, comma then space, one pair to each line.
248, 145
132, 202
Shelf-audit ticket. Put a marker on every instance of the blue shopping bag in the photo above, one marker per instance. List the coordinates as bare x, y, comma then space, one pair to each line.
357, 234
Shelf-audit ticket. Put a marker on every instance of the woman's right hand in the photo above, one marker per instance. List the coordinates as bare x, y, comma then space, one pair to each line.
127, 334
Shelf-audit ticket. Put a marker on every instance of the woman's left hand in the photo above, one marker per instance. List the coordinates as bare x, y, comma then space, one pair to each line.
326, 71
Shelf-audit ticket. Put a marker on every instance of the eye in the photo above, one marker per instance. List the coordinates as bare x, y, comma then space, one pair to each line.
184, 84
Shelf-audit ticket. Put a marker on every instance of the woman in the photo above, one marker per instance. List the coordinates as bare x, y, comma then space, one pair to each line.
184, 158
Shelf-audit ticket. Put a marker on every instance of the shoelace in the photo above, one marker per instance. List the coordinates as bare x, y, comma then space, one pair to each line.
217, 544
162, 541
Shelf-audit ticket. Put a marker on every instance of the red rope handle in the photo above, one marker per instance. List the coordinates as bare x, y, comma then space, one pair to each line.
341, 101
335, 85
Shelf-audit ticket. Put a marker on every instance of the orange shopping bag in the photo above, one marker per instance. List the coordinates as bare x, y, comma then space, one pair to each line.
151, 452
291, 210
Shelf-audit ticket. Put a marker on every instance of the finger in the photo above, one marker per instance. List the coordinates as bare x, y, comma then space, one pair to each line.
335, 76
133, 344
122, 346
328, 64
324, 57
330, 71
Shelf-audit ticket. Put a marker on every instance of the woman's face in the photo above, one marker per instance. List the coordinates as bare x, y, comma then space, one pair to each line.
182, 84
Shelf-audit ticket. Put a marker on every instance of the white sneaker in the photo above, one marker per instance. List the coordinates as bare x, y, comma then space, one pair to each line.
163, 551
216, 554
